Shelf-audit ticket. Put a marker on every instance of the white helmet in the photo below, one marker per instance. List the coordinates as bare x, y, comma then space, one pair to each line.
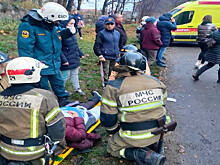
24, 70
52, 11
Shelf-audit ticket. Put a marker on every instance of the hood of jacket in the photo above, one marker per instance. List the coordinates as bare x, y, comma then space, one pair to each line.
164, 18
103, 17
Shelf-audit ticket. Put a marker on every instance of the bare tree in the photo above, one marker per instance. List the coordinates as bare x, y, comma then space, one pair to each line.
60, 1
104, 6
40, 2
69, 5
79, 4
146, 7
64, 3
177, 2
133, 10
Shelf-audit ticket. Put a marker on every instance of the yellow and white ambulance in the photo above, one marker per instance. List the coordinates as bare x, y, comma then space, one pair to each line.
190, 14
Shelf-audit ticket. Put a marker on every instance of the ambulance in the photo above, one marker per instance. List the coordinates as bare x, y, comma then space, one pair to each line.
190, 14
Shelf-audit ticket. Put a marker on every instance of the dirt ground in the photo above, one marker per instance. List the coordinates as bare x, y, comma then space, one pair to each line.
173, 149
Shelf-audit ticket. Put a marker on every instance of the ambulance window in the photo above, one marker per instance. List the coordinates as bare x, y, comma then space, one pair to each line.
174, 11
184, 17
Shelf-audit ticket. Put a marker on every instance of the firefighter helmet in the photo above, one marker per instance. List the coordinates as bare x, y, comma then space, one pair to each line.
52, 11
134, 60
128, 48
24, 70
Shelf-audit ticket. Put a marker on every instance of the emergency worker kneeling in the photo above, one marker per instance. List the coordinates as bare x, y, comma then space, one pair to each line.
27, 114
132, 108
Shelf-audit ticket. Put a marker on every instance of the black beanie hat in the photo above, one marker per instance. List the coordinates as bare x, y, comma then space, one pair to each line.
168, 15
208, 18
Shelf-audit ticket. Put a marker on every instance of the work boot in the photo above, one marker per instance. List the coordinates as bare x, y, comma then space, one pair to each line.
196, 77
144, 156
161, 64
64, 101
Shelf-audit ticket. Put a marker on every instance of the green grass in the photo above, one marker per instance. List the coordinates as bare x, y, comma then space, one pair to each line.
89, 76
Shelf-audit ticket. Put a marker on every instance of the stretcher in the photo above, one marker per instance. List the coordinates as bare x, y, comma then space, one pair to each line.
59, 158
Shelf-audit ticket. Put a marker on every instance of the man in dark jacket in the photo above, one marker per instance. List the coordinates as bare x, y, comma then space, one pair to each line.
119, 27
165, 24
107, 45
151, 39
39, 38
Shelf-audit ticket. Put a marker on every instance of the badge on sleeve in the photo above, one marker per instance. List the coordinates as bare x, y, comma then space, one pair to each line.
25, 34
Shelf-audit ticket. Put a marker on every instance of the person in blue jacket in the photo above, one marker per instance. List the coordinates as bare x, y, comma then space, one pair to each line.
165, 24
100, 24
78, 18
107, 47
39, 38
70, 57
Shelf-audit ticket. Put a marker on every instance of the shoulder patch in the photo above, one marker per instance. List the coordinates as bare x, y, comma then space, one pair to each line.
116, 83
25, 34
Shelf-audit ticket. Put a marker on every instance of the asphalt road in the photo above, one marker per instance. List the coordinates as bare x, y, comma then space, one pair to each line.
197, 109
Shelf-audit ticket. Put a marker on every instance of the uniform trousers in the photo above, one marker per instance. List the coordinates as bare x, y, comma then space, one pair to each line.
56, 83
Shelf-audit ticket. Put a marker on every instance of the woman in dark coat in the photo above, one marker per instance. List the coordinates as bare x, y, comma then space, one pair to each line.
213, 57
70, 58
204, 30
151, 39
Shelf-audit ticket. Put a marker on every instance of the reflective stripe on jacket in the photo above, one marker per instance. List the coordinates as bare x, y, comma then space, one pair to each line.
25, 116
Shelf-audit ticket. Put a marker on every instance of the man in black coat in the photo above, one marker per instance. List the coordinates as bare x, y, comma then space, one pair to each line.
165, 24
119, 27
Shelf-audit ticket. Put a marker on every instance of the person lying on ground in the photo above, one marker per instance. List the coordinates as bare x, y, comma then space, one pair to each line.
78, 120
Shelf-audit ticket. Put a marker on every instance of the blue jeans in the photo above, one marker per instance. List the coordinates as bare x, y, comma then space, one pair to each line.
73, 75
56, 83
160, 54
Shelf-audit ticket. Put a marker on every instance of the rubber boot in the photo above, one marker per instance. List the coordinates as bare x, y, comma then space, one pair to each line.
63, 101
196, 77
144, 156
